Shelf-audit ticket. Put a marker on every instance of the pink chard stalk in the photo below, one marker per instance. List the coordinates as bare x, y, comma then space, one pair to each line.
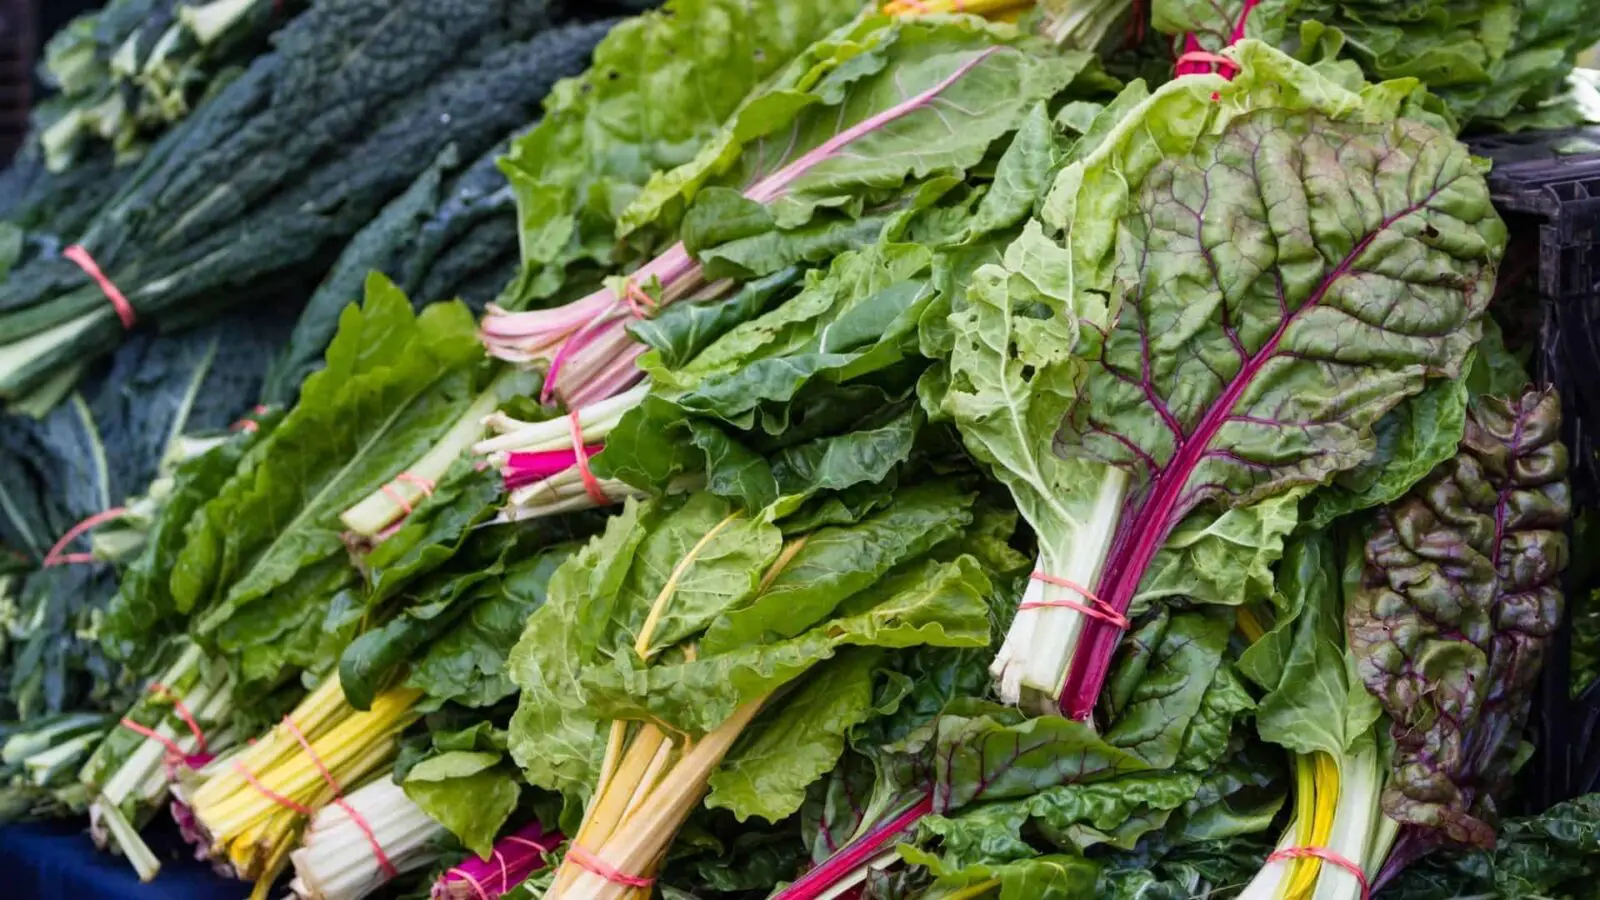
585, 344
515, 857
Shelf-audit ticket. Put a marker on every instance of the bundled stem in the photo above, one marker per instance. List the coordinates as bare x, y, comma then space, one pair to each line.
249, 807
177, 723
351, 849
516, 856
539, 460
647, 791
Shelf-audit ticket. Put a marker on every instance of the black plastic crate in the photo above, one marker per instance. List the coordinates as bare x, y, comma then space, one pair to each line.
1547, 187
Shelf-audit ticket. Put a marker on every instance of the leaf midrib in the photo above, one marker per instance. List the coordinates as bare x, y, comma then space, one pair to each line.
306, 509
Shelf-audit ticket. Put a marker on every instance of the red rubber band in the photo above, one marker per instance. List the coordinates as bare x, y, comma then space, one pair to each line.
598, 866
249, 424
173, 749
55, 556
338, 799
591, 484
124, 309
1096, 607
183, 713
1328, 856
269, 793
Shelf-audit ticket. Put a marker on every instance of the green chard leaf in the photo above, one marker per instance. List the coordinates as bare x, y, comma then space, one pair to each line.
468, 792
394, 381
660, 86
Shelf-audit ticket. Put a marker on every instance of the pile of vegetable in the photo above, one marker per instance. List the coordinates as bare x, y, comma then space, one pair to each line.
757, 449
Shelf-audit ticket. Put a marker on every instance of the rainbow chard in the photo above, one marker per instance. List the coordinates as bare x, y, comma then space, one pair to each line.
1283, 261
1459, 598
803, 170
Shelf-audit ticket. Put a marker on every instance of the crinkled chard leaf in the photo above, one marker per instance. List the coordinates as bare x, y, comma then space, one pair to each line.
1284, 281
1459, 596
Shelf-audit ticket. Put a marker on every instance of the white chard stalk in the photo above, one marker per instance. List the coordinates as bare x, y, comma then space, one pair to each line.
1032, 662
337, 860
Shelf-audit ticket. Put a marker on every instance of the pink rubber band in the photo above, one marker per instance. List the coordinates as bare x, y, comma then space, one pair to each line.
398, 498
173, 750
55, 556
1328, 856
183, 713
591, 484
1096, 607
124, 309
477, 888
338, 799
422, 484
269, 793
590, 862
1203, 59
639, 301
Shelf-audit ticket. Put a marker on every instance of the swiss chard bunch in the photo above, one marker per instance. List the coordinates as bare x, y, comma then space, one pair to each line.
1047, 807
263, 575
700, 651
860, 125
1252, 279
1459, 597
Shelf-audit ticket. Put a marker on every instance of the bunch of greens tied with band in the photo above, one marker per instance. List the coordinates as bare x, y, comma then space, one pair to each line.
874, 453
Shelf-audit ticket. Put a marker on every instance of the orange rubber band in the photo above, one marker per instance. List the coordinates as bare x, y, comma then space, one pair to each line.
1096, 607
56, 558
1327, 856
269, 793
389, 490
588, 861
338, 799
426, 486
591, 484
124, 309
249, 424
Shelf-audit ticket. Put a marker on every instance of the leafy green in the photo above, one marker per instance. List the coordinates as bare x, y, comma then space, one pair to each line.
1554, 854
1458, 596
467, 792
660, 85
264, 554
766, 774
1499, 65
704, 561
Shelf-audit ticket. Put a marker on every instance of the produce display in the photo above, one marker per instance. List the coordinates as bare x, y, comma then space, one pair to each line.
754, 449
